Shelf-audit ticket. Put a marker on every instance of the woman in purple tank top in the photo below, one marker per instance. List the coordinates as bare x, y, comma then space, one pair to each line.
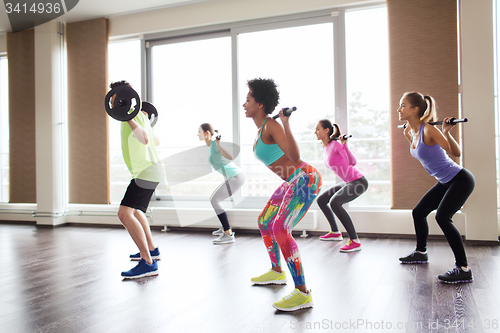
431, 147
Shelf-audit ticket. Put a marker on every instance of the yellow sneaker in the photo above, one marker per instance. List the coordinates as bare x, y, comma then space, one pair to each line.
270, 277
295, 301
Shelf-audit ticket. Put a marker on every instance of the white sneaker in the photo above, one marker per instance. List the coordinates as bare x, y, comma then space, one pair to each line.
224, 239
218, 232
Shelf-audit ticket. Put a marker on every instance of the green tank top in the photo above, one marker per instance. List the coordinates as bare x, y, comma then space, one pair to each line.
221, 164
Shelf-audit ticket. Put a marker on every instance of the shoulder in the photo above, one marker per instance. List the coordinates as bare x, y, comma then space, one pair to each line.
271, 123
333, 145
431, 131
272, 126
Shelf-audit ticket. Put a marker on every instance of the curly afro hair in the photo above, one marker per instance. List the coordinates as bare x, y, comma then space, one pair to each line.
265, 92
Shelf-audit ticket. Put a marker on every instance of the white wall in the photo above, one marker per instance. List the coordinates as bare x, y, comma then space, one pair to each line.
215, 12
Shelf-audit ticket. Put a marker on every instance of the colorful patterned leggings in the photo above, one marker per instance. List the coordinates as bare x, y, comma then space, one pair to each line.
286, 207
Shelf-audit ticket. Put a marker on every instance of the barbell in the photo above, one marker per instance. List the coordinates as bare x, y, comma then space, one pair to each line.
127, 104
452, 121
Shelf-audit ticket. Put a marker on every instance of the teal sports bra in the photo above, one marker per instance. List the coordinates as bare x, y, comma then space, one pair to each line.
267, 154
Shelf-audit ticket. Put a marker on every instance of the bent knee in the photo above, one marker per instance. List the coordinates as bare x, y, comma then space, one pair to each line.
322, 200
443, 219
416, 214
124, 212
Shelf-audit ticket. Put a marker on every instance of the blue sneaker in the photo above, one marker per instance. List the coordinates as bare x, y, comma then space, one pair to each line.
155, 255
142, 269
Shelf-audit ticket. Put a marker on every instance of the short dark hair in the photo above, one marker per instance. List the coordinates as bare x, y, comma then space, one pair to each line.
265, 92
119, 83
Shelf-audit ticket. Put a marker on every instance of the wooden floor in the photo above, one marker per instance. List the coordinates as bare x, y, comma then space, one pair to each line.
67, 279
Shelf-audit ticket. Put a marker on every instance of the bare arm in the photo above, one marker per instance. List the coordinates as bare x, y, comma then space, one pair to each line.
139, 133
406, 132
222, 151
157, 140
443, 139
292, 148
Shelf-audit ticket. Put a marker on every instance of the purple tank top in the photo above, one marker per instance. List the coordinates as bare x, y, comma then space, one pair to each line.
435, 160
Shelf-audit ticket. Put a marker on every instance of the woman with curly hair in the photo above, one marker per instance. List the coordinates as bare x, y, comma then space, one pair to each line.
276, 147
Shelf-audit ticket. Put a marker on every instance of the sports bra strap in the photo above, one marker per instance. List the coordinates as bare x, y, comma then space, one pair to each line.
262, 127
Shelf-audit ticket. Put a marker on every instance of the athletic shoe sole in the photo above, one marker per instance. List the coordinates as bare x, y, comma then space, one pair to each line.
351, 250
295, 308
270, 282
154, 273
453, 282
331, 239
152, 258
414, 262
226, 242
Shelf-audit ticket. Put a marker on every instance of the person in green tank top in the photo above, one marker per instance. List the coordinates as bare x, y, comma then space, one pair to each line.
139, 152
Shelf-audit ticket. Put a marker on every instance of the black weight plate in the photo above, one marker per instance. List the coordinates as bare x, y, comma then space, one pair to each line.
151, 111
126, 104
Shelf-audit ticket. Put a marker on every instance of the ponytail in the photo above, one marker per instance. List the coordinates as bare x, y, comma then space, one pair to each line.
336, 134
327, 124
430, 113
426, 106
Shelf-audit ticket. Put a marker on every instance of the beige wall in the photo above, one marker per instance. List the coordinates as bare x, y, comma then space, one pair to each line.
22, 127
88, 142
423, 58
3, 43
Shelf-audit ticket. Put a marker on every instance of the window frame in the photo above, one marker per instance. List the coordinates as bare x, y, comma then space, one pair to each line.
334, 15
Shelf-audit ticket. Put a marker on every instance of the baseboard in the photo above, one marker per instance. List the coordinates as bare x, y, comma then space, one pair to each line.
206, 218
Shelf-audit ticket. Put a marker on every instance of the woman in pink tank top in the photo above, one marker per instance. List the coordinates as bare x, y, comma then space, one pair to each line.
340, 160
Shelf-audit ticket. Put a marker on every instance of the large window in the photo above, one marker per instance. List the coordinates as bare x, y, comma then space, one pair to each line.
191, 85
367, 73
321, 65
4, 130
124, 64
300, 60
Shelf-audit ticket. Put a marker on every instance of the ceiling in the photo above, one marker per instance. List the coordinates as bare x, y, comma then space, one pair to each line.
89, 9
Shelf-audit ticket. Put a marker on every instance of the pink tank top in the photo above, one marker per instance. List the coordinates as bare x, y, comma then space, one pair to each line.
339, 158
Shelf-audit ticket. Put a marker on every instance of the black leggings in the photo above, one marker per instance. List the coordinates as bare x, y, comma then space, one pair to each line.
447, 199
337, 196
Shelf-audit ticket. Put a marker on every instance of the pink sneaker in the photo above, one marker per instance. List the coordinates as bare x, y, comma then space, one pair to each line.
351, 246
331, 236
